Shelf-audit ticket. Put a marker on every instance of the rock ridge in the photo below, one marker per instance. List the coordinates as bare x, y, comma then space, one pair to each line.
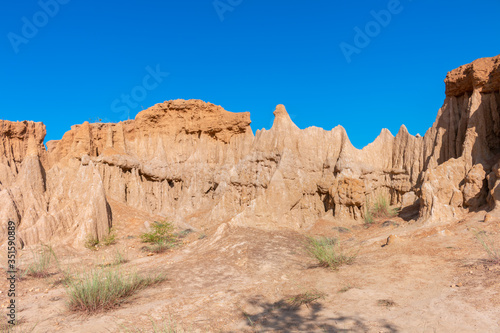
194, 162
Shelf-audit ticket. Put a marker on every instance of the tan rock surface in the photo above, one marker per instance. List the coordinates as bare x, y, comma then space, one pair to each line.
193, 162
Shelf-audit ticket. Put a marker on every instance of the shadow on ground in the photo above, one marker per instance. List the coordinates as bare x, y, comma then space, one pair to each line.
282, 317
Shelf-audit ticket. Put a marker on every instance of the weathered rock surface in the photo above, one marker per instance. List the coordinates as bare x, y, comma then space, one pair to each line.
194, 162
67, 204
465, 143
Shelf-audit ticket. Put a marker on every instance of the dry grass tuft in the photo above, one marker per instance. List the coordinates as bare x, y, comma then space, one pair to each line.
380, 209
101, 290
42, 262
329, 252
489, 246
307, 298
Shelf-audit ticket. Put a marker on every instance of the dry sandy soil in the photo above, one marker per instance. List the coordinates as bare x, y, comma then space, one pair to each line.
234, 279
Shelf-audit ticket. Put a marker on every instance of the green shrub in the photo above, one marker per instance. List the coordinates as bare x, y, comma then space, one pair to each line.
161, 233
329, 253
105, 289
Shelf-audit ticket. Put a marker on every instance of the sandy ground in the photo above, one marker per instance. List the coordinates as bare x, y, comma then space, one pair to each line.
234, 279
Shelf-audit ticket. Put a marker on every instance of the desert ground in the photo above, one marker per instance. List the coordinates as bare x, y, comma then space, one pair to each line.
238, 279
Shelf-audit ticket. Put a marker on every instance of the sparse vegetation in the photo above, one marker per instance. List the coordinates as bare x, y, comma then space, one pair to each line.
368, 216
110, 239
118, 259
42, 261
161, 237
105, 289
386, 302
345, 289
380, 209
184, 233
19, 327
161, 232
329, 252
489, 246
91, 242
158, 247
306, 298
342, 230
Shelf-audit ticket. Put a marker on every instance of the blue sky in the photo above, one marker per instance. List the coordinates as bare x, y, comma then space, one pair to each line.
68, 61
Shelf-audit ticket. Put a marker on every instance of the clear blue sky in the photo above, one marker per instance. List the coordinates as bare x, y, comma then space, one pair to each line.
246, 55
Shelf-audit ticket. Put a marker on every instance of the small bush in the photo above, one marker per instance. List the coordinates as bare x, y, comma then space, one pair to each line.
91, 242
105, 289
489, 246
380, 209
110, 239
161, 233
329, 253
42, 261
306, 298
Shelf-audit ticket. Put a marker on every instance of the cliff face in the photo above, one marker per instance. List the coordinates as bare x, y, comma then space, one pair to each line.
462, 148
195, 162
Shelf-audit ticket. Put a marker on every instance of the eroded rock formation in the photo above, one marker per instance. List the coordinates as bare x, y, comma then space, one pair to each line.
193, 161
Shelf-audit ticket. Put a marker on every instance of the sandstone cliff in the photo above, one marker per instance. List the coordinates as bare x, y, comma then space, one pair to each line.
194, 162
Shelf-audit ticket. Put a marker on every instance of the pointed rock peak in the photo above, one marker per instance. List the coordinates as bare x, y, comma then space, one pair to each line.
385, 137
345, 141
281, 117
385, 133
403, 130
340, 130
280, 111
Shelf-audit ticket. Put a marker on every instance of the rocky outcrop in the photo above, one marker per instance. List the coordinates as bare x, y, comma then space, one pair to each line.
463, 145
195, 162
67, 204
